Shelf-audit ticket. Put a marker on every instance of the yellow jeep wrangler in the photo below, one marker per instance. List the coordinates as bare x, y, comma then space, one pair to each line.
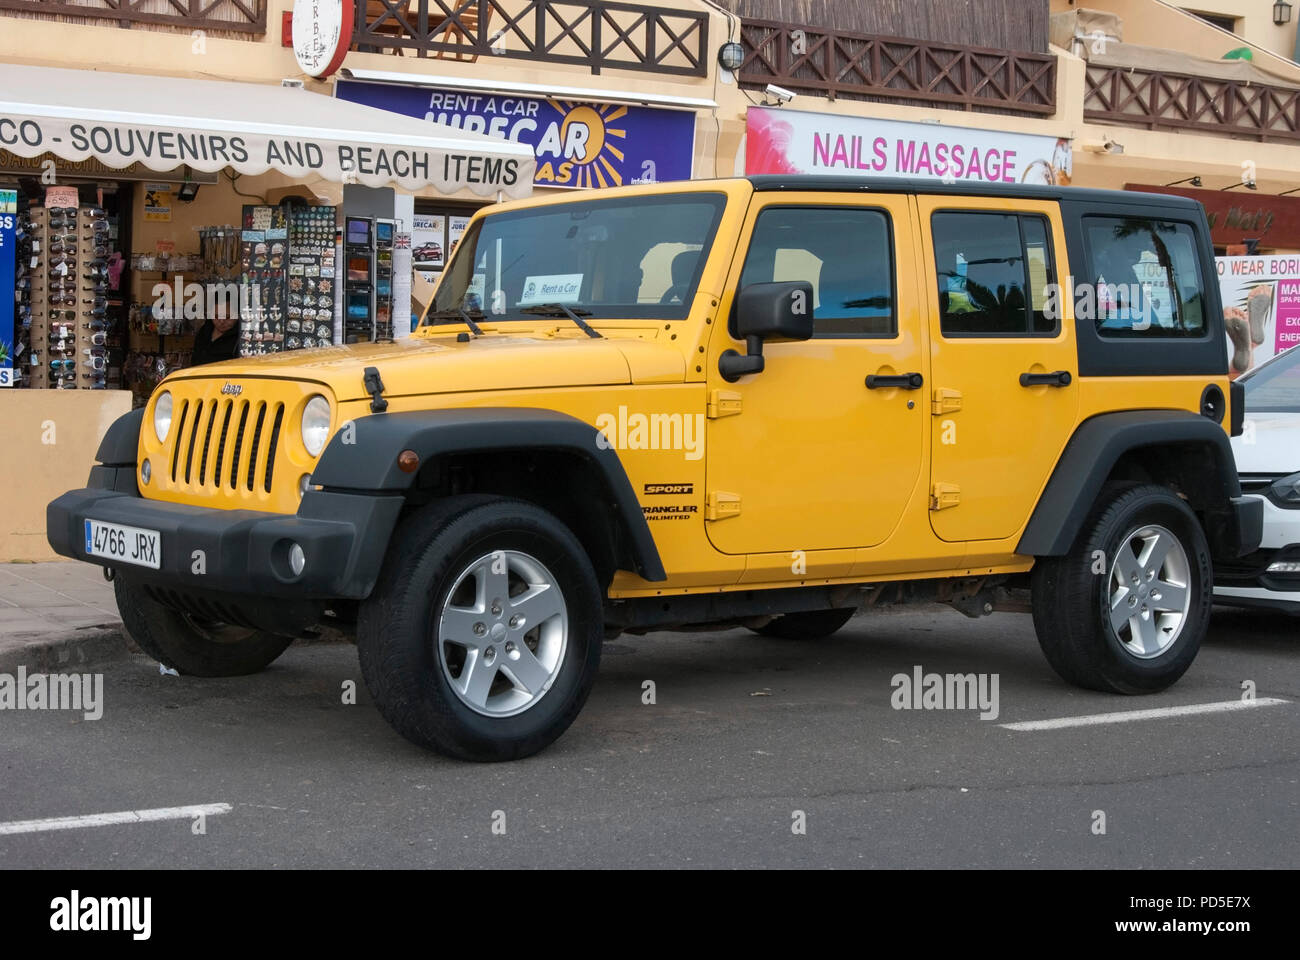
765, 402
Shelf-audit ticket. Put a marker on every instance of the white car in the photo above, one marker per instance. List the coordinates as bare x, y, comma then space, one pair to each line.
1268, 460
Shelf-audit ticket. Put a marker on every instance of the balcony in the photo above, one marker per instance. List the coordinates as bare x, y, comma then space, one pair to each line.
1160, 100
586, 33
836, 64
243, 18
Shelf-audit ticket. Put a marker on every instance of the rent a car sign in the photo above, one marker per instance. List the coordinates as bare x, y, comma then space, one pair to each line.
576, 144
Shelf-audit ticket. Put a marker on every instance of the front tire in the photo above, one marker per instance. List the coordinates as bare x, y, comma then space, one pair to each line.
1125, 611
483, 637
190, 645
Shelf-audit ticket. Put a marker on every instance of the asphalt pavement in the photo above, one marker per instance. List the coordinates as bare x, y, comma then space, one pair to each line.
756, 753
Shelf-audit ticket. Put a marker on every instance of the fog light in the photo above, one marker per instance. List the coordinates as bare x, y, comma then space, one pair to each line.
304, 484
1284, 566
146, 471
297, 560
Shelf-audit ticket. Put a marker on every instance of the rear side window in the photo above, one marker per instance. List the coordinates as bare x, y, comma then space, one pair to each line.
1144, 279
995, 274
1275, 387
845, 253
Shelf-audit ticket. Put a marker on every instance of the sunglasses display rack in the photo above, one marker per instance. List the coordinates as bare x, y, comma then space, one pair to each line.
310, 309
68, 317
26, 269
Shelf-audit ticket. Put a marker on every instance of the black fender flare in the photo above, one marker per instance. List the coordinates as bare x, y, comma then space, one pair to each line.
1091, 455
116, 457
362, 456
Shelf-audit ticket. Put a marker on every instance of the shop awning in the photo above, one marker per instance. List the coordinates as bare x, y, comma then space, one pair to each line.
166, 122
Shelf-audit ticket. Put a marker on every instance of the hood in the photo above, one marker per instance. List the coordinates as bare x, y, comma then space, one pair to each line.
1276, 446
431, 365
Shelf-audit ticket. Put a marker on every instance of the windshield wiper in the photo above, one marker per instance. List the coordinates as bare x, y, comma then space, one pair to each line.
560, 310
456, 313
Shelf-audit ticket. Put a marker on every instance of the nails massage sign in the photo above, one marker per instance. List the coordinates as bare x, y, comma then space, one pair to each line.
322, 32
1261, 307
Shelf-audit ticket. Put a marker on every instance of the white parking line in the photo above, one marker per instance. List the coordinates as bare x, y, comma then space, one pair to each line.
1158, 713
112, 819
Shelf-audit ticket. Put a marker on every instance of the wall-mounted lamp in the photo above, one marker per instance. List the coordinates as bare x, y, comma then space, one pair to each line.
1194, 181
1248, 184
1281, 12
731, 55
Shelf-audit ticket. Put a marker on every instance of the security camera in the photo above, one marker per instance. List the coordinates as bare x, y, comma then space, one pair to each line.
779, 94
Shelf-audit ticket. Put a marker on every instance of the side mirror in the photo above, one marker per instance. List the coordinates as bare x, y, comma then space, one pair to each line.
776, 312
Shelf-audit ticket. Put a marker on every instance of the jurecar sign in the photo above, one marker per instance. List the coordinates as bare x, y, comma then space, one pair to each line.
576, 144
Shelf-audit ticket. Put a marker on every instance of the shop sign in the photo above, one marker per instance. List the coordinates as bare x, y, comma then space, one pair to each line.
61, 197
322, 32
8, 255
1235, 216
1261, 307
782, 141
157, 205
576, 144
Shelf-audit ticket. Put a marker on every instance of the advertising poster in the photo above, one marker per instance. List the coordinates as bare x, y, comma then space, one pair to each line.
428, 244
455, 230
8, 255
1261, 307
790, 142
576, 144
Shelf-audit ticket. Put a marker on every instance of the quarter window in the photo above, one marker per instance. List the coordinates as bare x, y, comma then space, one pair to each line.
845, 253
995, 274
1144, 278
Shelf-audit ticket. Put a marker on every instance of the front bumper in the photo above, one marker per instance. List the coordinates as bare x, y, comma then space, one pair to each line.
241, 553
1248, 582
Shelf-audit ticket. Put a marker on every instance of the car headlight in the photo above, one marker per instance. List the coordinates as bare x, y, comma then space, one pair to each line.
162, 416
1286, 492
316, 424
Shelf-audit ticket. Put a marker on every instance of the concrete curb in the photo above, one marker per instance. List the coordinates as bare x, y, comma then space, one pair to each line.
63, 651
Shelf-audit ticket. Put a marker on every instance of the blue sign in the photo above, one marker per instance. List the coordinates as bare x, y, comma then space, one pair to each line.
8, 257
577, 144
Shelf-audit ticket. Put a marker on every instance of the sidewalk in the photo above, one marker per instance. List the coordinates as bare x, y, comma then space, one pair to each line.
55, 614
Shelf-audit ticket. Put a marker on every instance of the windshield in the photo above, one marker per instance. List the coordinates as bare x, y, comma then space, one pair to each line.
627, 257
1275, 387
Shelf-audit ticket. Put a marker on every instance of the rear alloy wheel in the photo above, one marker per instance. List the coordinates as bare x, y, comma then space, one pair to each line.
1125, 611
483, 637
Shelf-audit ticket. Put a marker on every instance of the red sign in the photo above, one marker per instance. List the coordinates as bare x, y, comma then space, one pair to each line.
1241, 214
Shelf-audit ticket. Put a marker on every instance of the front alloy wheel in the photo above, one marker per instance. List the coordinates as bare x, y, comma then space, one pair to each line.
1150, 593
502, 633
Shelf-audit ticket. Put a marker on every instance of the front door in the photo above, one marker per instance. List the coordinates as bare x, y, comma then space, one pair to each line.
1005, 391
805, 455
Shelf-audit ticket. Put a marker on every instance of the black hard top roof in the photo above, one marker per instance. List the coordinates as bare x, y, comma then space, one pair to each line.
1022, 191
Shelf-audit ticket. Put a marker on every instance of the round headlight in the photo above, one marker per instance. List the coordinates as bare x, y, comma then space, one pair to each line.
162, 416
316, 425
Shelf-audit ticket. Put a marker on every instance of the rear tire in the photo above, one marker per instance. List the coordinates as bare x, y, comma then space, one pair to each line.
188, 645
809, 625
1125, 611
483, 637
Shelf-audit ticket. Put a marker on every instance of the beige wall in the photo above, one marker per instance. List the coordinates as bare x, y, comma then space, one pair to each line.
49, 439
1254, 21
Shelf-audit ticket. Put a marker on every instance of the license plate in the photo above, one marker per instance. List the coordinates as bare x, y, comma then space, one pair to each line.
124, 544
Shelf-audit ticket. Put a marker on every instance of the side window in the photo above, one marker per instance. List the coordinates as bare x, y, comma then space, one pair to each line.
847, 254
1144, 278
995, 271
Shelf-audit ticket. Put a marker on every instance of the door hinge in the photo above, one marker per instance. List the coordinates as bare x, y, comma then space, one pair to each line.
723, 403
943, 495
945, 400
720, 505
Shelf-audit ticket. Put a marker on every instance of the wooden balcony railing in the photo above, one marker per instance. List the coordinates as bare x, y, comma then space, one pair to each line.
216, 16
838, 64
590, 33
1172, 101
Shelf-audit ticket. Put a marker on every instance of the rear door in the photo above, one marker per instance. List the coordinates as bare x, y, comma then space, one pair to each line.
1004, 387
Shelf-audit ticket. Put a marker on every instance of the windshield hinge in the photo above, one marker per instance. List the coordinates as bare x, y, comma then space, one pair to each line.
723, 403
375, 387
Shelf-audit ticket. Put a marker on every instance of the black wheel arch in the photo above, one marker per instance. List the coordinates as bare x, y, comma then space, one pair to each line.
544, 456
1180, 449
